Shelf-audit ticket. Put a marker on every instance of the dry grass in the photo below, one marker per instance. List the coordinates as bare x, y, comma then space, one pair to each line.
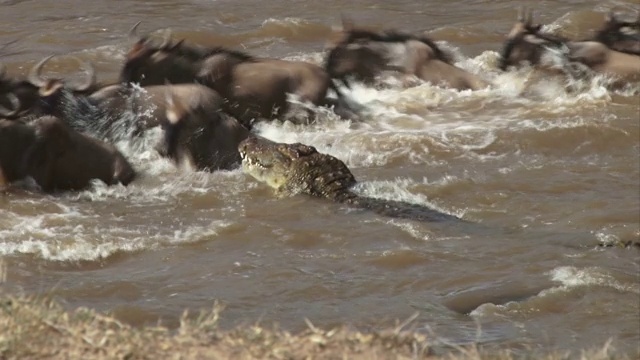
33, 328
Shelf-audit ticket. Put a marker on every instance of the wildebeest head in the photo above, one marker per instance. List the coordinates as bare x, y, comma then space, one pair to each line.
147, 64
354, 59
50, 90
526, 43
620, 35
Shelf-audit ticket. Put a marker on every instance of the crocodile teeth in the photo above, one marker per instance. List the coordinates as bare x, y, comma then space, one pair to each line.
253, 162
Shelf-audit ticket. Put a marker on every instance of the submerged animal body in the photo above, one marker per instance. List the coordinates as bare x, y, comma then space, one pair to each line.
63, 159
364, 54
300, 169
57, 157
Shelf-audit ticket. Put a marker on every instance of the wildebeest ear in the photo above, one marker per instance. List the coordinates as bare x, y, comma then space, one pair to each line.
166, 40
354, 46
532, 39
50, 87
176, 46
158, 56
137, 49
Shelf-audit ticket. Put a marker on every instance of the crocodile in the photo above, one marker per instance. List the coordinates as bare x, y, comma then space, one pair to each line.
293, 169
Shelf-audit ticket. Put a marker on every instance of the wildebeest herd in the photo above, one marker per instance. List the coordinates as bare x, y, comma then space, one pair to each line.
205, 99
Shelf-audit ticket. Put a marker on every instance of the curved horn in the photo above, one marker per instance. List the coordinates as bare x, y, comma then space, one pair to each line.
35, 76
15, 104
521, 14
7, 44
166, 40
529, 17
133, 33
90, 80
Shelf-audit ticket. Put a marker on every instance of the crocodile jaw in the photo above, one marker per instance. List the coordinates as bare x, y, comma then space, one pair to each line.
261, 172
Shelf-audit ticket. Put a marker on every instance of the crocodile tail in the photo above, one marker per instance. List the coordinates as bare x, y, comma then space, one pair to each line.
403, 210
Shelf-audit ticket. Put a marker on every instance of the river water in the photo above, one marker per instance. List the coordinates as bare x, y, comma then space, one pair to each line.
555, 172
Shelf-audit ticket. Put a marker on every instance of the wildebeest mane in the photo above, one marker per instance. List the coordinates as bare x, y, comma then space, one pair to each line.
355, 35
557, 40
197, 53
235, 53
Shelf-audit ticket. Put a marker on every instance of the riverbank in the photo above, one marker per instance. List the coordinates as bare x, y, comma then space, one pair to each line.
33, 328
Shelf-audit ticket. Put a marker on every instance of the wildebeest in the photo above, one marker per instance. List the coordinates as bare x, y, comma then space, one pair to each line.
364, 54
36, 94
209, 140
255, 88
117, 112
62, 159
15, 140
526, 43
57, 157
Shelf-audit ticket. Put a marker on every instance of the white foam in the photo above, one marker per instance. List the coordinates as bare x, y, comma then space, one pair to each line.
75, 242
425, 116
571, 277
287, 21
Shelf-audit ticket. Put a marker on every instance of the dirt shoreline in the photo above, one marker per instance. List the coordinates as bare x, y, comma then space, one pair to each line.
37, 328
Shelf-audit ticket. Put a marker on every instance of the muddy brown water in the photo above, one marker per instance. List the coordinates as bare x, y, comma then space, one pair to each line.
552, 172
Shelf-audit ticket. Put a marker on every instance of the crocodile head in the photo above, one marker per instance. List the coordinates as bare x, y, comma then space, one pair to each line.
296, 168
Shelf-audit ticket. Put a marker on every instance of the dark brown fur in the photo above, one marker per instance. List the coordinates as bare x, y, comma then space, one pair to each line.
62, 159
15, 139
57, 157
